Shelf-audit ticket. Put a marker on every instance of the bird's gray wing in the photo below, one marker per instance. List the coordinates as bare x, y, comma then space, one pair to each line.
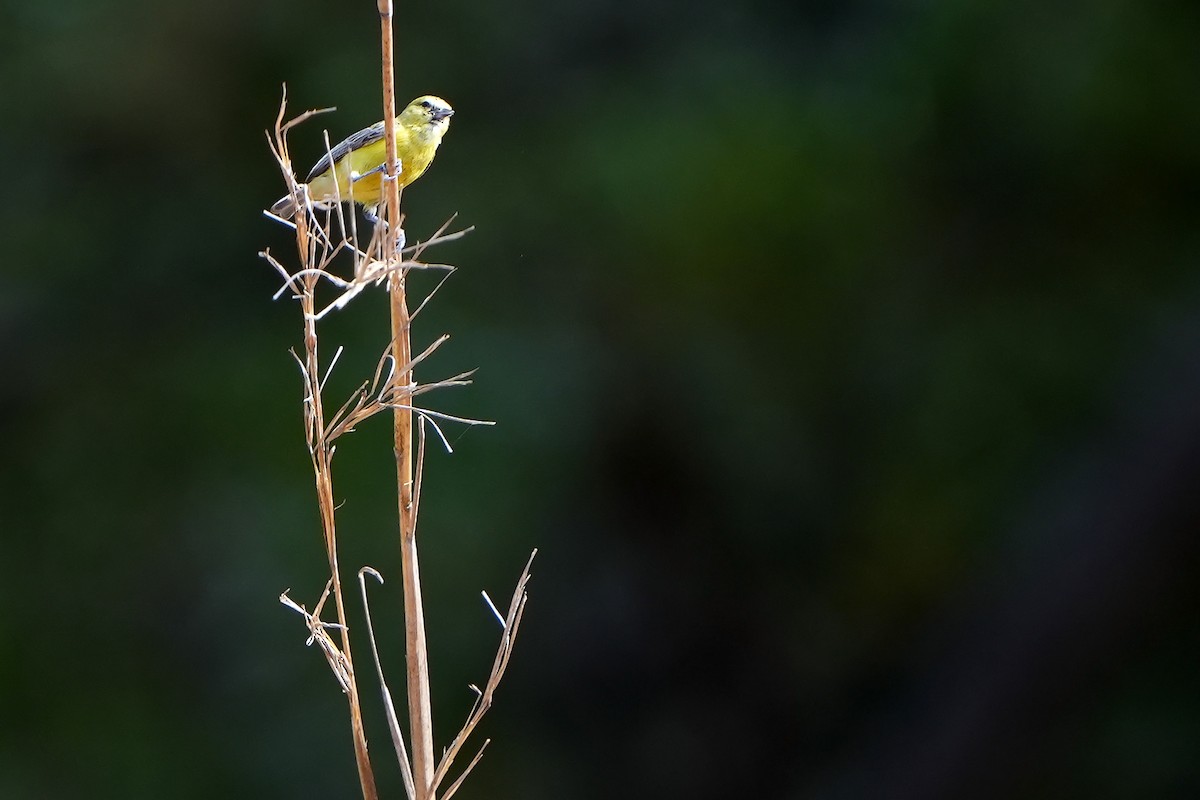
361, 139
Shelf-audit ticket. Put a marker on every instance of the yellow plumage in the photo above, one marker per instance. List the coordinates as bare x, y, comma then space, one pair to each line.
354, 168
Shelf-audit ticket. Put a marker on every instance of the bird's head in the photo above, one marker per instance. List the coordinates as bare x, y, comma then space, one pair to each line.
428, 114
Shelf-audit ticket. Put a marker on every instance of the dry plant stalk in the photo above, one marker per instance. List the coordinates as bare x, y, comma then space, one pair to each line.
420, 710
325, 236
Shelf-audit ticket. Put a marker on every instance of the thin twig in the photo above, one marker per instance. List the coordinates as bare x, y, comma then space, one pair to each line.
457, 783
388, 706
512, 623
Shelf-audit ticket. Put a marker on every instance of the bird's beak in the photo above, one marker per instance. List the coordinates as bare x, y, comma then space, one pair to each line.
442, 113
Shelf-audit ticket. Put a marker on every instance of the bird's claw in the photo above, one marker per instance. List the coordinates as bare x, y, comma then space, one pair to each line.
381, 168
372, 215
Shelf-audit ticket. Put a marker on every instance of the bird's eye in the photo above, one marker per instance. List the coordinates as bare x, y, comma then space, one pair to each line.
427, 104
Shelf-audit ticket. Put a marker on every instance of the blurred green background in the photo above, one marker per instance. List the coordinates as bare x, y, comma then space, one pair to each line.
845, 359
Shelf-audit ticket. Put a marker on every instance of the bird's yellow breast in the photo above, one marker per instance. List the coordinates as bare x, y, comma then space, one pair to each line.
414, 150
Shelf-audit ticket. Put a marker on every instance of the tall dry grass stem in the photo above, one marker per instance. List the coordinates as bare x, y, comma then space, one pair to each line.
327, 235
420, 710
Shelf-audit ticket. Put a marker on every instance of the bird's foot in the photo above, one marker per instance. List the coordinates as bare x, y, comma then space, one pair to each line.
382, 168
372, 215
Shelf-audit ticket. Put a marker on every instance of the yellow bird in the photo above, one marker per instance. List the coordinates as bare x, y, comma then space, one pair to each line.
355, 168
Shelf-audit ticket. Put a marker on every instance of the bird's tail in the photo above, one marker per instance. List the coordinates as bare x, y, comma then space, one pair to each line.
284, 207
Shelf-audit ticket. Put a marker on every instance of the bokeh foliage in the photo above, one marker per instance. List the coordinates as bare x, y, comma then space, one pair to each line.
844, 360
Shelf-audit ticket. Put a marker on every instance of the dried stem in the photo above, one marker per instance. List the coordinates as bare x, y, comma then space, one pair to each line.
325, 232
388, 706
305, 282
483, 699
420, 710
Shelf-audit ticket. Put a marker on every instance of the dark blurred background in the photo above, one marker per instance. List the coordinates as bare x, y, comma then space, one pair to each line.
845, 359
